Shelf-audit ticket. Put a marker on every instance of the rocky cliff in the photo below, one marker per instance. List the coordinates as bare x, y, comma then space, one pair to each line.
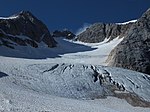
98, 32
23, 29
134, 51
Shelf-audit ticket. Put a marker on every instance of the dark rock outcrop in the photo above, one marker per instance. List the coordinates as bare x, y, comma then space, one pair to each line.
99, 31
134, 51
11, 41
66, 34
24, 24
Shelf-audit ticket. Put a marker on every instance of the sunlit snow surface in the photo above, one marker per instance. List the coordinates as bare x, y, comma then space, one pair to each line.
132, 21
11, 17
66, 51
65, 83
97, 56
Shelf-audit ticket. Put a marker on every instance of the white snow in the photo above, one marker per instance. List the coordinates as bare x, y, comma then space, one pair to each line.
37, 86
50, 78
19, 36
66, 51
61, 79
96, 56
133, 81
11, 17
132, 21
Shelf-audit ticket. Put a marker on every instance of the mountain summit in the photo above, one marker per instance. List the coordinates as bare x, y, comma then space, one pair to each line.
14, 28
98, 32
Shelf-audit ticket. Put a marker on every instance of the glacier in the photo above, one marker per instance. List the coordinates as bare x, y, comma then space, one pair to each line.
76, 80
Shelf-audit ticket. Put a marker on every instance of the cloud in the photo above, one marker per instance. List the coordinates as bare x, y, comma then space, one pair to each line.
83, 28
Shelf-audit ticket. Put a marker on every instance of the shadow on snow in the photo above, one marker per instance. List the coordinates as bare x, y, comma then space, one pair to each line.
63, 47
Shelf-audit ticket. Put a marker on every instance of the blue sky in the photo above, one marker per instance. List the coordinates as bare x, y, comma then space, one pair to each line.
73, 14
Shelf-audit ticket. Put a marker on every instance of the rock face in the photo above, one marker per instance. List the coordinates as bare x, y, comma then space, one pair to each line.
66, 34
134, 51
14, 28
99, 31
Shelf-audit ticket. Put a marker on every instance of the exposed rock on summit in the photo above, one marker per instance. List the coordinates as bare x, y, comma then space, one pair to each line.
13, 30
98, 32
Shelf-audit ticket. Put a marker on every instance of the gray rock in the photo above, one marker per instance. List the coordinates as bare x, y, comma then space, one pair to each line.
99, 31
28, 25
134, 51
66, 34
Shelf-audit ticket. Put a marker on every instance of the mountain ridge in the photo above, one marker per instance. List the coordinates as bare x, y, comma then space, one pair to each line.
24, 24
98, 32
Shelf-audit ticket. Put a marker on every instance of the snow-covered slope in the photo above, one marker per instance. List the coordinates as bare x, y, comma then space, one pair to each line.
132, 21
66, 51
78, 81
27, 85
97, 56
11, 17
73, 81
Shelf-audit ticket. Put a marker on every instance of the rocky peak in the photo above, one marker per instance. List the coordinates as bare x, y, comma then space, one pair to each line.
25, 13
26, 24
99, 31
